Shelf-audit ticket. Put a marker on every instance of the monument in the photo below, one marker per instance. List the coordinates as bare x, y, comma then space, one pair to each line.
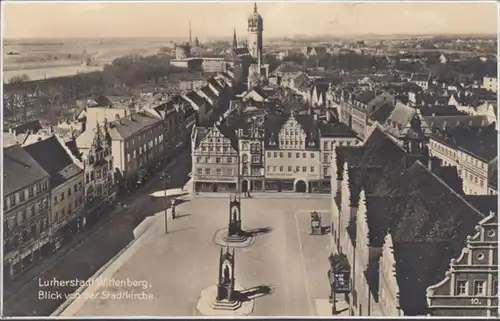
226, 298
234, 231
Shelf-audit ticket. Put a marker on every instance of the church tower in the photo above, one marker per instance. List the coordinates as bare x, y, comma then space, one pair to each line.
255, 28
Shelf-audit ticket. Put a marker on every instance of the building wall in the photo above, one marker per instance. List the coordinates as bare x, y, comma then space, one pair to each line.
490, 83
67, 201
388, 286
328, 146
290, 163
26, 220
215, 160
473, 171
252, 158
141, 149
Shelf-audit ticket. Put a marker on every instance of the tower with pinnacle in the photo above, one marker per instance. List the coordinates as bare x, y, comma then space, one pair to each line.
255, 29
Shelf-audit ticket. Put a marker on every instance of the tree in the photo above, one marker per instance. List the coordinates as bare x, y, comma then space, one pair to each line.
18, 79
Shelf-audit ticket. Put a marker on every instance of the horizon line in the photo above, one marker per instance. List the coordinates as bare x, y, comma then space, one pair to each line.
272, 37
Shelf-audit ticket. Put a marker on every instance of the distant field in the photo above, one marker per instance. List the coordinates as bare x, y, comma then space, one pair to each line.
55, 58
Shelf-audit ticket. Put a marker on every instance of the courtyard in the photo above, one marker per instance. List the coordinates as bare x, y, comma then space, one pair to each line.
163, 274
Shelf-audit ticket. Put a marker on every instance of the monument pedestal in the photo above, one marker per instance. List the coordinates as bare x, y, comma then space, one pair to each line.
226, 305
237, 238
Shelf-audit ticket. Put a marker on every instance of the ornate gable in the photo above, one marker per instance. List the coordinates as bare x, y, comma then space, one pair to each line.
292, 135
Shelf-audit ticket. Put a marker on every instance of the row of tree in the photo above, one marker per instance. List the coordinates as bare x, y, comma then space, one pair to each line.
49, 98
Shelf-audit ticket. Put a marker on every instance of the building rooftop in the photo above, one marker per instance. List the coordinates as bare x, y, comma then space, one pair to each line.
480, 142
129, 125
54, 159
428, 219
336, 130
20, 170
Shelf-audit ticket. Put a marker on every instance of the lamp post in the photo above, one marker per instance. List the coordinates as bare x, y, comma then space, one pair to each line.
165, 177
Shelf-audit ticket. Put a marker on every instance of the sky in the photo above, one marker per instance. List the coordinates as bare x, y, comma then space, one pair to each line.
217, 19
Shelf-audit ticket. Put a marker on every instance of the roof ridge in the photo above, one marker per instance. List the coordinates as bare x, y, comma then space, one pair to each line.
449, 188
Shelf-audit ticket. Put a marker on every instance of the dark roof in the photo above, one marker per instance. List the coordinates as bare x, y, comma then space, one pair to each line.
128, 126
32, 126
427, 219
427, 229
365, 97
382, 113
441, 110
52, 156
210, 94
336, 130
195, 98
480, 142
20, 170
230, 134
484, 203
215, 84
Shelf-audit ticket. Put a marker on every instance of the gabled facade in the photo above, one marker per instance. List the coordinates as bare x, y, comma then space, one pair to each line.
215, 159
292, 154
470, 287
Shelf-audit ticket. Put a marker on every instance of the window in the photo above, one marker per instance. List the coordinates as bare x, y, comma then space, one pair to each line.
218, 171
325, 145
297, 155
55, 200
494, 288
312, 169
217, 160
269, 154
479, 287
325, 171
30, 191
312, 155
281, 154
22, 196
289, 168
297, 169
229, 159
461, 288
275, 154
304, 169
199, 171
304, 155
69, 189
289, 155
268, 168
13, 200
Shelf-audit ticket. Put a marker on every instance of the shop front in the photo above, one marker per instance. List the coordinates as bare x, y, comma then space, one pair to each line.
203, 184
326, 186
272, 185
287, 185
314, 186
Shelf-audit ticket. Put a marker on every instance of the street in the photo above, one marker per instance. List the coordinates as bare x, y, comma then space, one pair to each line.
104, 243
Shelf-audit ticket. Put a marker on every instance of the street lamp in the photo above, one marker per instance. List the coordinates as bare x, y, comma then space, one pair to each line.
165, 177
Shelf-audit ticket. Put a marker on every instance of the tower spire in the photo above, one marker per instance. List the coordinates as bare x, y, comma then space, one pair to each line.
235, 41
190, 40
255, 7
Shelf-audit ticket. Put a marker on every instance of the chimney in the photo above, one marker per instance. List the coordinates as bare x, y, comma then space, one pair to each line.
433, 163
328, 116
